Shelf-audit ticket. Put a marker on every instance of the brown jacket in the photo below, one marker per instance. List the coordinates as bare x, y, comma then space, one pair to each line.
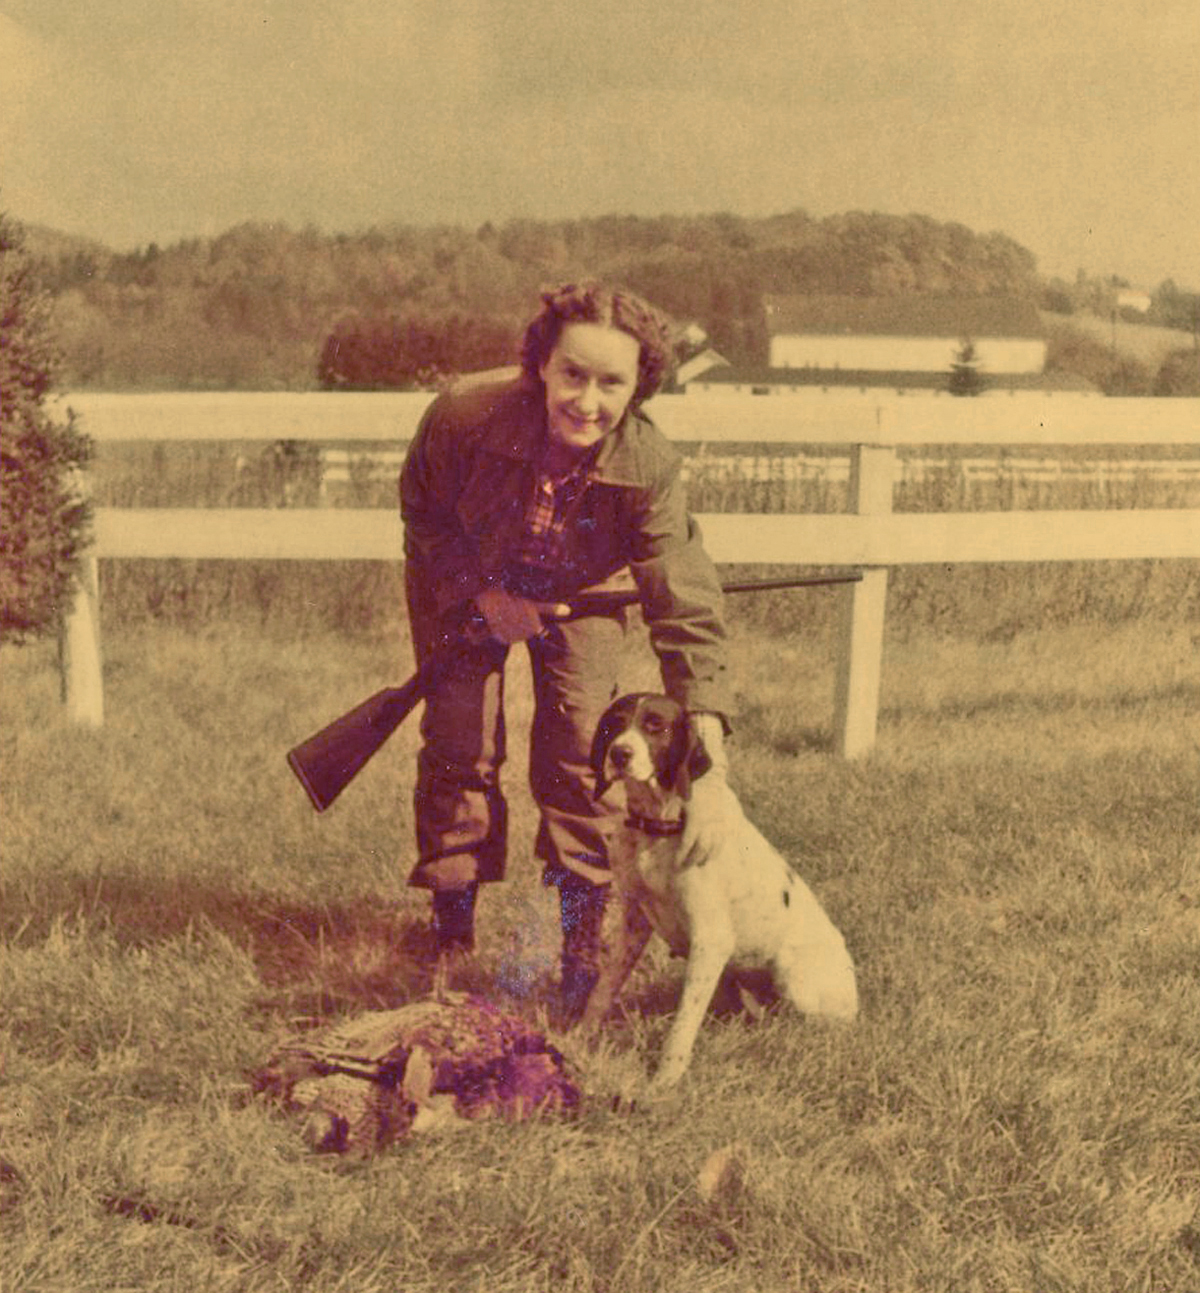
464, 491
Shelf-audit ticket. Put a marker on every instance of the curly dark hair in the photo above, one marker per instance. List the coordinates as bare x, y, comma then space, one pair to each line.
592, 302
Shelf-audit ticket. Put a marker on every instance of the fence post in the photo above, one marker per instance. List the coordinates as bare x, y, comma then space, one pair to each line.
860, 646
79, 648
82, 677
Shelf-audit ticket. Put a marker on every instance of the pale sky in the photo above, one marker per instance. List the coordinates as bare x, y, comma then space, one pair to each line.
1071, 125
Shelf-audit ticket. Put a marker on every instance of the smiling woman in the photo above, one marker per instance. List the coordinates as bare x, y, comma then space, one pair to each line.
516, 496
589, 378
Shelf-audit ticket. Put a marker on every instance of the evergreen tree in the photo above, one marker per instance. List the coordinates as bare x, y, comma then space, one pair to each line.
42, 521
965, 377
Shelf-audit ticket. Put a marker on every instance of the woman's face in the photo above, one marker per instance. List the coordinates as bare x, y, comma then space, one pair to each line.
590, 377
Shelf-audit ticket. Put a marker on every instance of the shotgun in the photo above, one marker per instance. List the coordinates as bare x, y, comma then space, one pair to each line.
330, 759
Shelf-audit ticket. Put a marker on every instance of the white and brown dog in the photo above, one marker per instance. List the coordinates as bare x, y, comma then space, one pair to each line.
741, 902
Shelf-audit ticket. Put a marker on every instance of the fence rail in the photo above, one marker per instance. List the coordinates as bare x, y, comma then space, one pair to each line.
837, 539
342, 467
869, 534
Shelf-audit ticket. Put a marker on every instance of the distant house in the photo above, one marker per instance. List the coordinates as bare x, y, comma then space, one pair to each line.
903, 334
693, 356
1133, 298
699, 364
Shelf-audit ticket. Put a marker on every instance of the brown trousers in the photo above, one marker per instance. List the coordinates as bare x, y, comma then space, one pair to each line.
461, 812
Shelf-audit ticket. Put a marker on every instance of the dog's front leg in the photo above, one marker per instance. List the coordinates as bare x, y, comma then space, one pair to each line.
710, 953
624, 932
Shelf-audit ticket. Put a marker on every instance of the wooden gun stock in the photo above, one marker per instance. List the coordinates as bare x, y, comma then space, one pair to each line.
330, 759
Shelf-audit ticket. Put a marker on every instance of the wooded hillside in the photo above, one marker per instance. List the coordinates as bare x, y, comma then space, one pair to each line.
264, 306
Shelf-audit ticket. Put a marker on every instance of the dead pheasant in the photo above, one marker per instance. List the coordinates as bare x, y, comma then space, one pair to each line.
370, 1081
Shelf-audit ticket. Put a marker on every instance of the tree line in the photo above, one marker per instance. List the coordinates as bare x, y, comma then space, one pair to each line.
263, 306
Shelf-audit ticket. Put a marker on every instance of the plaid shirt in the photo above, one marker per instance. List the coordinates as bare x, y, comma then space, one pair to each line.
544, 547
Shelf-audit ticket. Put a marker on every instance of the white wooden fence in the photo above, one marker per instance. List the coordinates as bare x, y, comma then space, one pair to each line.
342, 468
869, 535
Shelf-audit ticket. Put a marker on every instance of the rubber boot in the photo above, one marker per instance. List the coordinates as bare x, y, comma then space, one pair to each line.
454, 920
582, 911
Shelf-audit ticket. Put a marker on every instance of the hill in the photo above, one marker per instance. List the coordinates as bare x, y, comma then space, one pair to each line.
51, 246
253, 308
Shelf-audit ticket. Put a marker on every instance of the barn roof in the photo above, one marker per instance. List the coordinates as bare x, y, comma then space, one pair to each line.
895, 380
902, 316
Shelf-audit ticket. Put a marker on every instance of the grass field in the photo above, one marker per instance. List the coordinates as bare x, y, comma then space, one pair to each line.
1145, 342
1016, 869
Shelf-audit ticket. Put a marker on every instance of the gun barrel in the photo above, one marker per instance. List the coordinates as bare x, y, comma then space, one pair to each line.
600, 603
808, 581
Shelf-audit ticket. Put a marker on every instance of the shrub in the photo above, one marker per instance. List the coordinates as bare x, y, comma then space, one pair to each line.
1179, 374
413, 352
1112, 371
43, 522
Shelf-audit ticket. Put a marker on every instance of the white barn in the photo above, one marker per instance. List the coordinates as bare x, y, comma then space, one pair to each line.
911, 334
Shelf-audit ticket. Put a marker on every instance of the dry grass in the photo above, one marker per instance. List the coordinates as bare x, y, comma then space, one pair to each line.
1017, 869
1146, 342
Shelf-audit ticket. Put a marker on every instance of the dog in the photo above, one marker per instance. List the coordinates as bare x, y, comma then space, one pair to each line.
741, 902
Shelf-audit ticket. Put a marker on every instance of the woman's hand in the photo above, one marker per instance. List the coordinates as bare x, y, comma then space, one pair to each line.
711, 812
516, 619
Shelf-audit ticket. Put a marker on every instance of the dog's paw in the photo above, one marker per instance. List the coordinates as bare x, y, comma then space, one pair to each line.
666, 1078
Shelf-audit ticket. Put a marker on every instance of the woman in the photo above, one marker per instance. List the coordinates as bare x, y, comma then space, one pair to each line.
516, 495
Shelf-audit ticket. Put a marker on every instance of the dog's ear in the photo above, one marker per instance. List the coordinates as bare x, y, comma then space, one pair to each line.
687, 759
612, 723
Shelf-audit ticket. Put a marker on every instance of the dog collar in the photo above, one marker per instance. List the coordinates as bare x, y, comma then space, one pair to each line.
654, 825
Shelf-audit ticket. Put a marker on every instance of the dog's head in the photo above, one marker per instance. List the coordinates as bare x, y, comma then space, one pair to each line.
644, 737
